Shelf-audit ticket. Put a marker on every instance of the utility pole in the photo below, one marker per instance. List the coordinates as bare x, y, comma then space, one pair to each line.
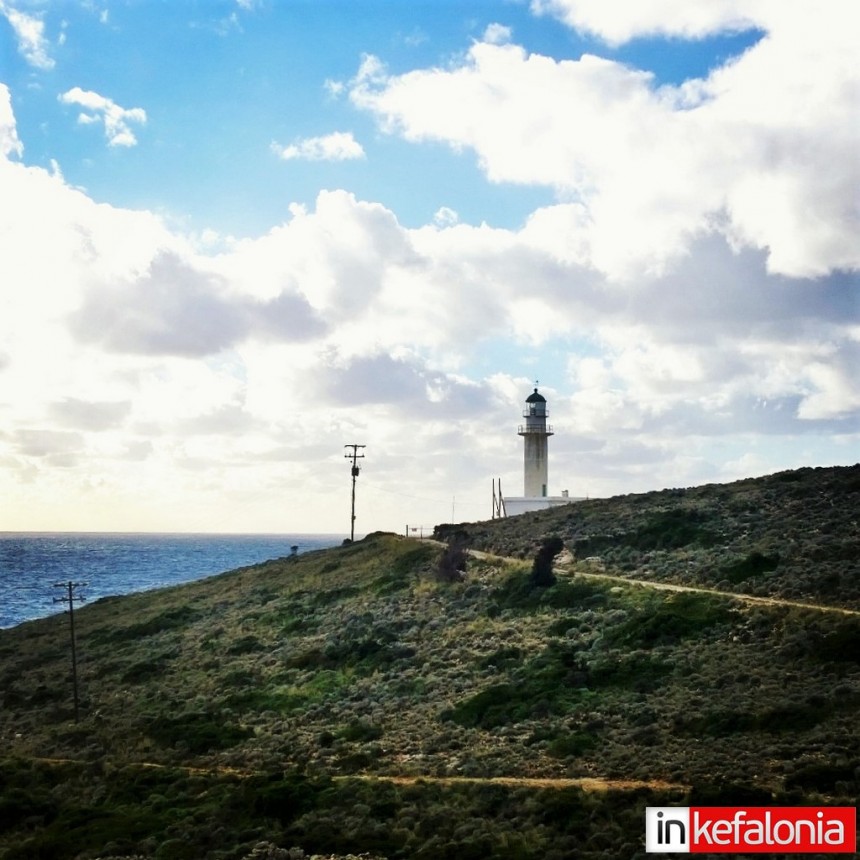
355, 457
70, 599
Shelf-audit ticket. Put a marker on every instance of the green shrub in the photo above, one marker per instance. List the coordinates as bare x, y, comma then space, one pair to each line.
283, 796
517, 592
660, 530
200, 732
360, 732
170, 619
666, 620
574, 744
487, 709
246, 645
144, 670
821, 776
754, 564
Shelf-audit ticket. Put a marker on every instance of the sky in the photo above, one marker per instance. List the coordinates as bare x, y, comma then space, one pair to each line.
239, 235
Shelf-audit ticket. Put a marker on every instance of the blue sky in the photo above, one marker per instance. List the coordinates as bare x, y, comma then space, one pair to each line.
220, 83
239, 235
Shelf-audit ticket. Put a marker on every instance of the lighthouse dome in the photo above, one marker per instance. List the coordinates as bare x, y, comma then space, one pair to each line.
535, 398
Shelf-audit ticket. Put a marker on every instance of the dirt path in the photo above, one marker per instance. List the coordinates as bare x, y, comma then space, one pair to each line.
586, 783
748, 598
669, 586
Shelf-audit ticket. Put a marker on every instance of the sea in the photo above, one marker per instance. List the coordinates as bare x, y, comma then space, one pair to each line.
34, 566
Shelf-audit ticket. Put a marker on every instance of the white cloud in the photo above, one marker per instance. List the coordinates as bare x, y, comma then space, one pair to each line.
30, 33
445, 217
497, 34
154, 380
10, 144
117, 120
762, 150
338, 146
619, 21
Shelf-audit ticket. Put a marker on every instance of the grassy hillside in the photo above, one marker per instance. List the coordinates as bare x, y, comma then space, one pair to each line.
256, 708
794, 535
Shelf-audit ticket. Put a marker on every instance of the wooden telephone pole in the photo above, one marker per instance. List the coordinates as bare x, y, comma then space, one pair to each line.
355, 457
70, 598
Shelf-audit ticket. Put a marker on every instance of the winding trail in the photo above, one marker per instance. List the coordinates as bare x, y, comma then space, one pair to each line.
670, 586
589, 784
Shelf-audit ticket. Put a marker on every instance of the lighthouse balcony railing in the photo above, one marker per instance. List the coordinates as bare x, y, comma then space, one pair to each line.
527, 429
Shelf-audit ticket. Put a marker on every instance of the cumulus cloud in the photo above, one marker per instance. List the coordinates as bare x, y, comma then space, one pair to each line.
174, 308
445, 217
761, 150
618, 21
497, 34
9, 141
89, 415
30, 33
59, 446
97, 108
338, 146
237, 374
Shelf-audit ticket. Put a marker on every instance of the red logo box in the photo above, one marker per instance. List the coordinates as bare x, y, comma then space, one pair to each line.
751, 830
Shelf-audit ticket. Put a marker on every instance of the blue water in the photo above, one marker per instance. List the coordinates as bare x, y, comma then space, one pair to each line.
31, 563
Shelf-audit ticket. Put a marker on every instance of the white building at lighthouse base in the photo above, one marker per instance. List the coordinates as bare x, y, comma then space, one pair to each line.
522, 504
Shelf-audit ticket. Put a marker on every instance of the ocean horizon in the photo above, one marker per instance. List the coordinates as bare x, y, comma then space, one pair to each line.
32, 564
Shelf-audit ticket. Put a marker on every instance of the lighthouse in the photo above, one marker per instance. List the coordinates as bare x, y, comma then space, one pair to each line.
535, 433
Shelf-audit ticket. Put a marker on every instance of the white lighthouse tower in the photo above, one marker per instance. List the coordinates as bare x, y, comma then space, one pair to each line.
535, 433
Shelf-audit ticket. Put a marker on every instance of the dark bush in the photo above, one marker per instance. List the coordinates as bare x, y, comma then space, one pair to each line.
360, 731
452, 563
754, 564
542, 575
200, 732
170, 619
822, 777
489, 708
144, 670
574, 744
280, 796
668, 620
246, 645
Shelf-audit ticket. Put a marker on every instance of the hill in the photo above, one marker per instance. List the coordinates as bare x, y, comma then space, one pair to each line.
794, 535
353, 700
